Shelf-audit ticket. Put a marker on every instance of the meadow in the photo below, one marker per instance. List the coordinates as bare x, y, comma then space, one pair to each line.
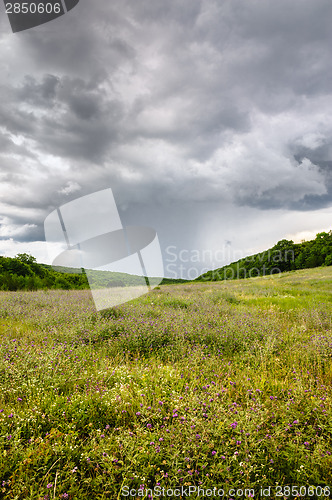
223, 384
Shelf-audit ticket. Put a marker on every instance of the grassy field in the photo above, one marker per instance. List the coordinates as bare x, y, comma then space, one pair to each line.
204, 385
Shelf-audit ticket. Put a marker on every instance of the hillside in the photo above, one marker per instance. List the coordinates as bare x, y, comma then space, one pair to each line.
24, 273
284, 256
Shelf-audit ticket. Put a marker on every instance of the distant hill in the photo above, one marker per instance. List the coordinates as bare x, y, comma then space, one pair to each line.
24, 273
284, 256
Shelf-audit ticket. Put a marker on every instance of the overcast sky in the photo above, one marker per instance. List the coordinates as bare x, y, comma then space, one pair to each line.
210, 121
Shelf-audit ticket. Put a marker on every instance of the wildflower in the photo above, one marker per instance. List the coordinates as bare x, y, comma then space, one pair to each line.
161, 439
238, 442
10, 415
161, 403
152, 443
149, 426
138, 413
214, 452
104, 454
49, 485
198, 436
19, 399
234, 425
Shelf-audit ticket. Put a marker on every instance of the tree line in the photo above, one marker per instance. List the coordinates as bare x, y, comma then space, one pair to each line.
284, 256
22, 272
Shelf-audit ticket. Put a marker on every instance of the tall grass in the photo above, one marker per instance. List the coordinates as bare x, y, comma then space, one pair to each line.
214, 384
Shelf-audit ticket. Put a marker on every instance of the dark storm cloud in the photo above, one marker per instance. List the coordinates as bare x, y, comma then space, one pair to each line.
87, 124
38, 93
65, 117
197, 101
5, 143
16, 121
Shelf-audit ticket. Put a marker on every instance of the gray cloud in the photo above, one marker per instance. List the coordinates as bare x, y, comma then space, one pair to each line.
190, 104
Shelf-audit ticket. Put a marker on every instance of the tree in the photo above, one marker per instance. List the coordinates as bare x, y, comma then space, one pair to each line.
26, 258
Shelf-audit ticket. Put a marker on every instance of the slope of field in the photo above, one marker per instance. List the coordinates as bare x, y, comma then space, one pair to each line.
283, 256
224, 384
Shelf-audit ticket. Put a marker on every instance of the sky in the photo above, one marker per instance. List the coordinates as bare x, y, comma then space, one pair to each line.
209, 120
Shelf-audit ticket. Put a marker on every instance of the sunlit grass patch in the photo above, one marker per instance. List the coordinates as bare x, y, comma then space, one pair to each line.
209, 383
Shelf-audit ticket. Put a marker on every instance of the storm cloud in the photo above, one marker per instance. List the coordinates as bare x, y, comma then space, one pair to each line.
186, 109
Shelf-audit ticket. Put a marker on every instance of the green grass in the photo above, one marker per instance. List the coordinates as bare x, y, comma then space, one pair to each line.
210, 384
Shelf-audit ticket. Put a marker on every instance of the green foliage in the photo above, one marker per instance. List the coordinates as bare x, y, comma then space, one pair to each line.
284, 256
24, 273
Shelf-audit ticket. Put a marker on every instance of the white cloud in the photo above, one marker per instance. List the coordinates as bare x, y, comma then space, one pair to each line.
71, 187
